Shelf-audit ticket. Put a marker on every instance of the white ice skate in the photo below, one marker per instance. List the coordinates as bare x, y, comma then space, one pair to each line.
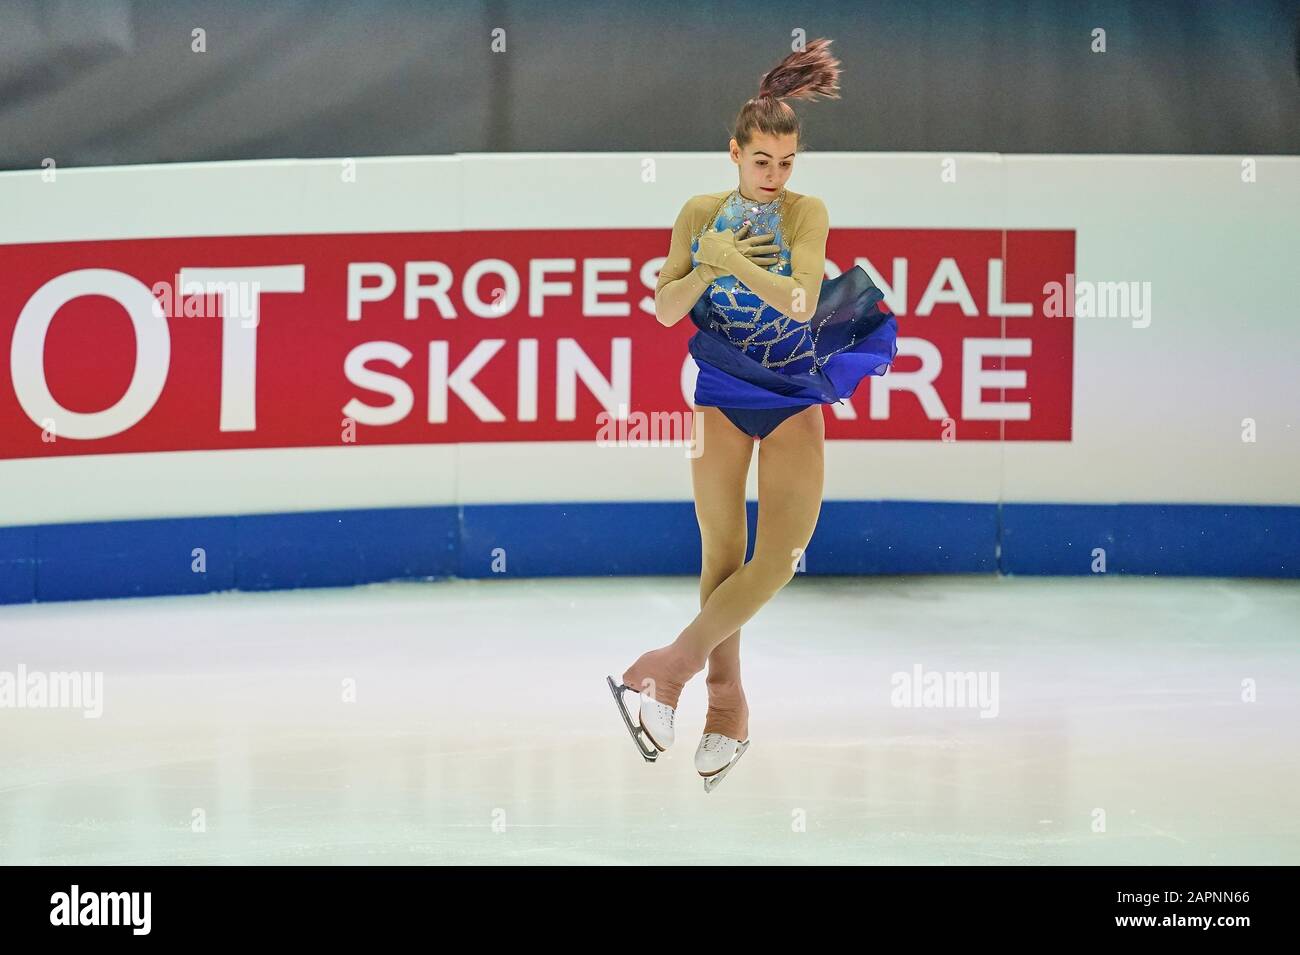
715, 756
655, 721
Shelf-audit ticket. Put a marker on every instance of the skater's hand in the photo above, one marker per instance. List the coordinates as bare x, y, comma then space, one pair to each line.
758, 249
715, 245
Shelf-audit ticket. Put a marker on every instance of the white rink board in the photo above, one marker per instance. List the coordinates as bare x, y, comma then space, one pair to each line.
1157, 411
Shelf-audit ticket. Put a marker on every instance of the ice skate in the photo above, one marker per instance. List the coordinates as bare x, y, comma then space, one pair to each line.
653, 733
715, 756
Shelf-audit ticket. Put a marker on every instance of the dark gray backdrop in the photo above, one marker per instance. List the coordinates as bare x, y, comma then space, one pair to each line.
115, 81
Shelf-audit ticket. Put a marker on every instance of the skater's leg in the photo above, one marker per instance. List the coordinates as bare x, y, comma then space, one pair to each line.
790, 484
728, 711
719, 483
718, 474
720, 507
724, 661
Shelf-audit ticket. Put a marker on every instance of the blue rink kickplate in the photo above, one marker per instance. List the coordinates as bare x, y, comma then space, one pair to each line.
580, 539
196, 555
904, 537
1198, 540
342, 548
852, 537
17, 565
134, 558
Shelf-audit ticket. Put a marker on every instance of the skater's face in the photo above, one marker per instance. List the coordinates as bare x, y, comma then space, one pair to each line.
765, 164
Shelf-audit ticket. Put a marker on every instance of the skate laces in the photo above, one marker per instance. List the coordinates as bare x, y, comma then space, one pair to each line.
666, 712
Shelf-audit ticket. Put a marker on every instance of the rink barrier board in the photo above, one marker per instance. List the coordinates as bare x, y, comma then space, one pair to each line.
343, 548
1198, 540
254, 552
852, 537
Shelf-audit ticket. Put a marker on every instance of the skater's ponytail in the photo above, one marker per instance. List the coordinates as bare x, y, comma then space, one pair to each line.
804, 74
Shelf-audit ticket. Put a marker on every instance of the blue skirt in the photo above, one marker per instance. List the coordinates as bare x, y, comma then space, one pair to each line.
855, 336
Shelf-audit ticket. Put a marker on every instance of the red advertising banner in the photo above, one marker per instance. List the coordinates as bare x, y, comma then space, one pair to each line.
412, 338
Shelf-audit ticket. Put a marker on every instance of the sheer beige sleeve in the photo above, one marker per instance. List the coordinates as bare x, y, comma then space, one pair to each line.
680, 286
796, 294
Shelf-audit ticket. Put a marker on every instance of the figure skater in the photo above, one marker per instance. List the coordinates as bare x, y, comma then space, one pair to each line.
775, 342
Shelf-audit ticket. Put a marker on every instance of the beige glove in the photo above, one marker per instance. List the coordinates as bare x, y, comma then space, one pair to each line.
717, 245
759, 249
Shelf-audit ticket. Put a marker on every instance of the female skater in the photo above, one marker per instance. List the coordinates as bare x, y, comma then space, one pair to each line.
774, 343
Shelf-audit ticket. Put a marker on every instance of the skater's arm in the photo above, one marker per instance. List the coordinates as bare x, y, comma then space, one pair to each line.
680, 286
795, 295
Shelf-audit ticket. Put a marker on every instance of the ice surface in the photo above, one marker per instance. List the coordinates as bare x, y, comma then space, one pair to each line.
483, 732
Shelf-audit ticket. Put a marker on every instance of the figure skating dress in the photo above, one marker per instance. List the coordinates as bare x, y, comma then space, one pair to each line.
757, 365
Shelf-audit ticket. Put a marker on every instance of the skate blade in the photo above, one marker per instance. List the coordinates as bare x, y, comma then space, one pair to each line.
711, 782
648, 752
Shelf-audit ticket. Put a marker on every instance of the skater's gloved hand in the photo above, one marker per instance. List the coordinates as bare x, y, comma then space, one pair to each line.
715, 246
759, 249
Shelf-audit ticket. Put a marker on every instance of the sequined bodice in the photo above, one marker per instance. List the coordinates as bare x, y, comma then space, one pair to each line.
763, 333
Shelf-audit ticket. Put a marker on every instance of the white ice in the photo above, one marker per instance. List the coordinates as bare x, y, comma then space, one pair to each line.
482, 730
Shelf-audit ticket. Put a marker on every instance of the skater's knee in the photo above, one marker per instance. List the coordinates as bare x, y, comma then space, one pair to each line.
721, 559
774, 567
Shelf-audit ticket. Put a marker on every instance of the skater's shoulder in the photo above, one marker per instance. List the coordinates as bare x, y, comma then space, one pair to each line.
805, 215
704, 203
698, 208
802, 204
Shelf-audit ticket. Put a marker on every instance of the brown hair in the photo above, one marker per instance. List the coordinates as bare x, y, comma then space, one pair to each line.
804, 74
